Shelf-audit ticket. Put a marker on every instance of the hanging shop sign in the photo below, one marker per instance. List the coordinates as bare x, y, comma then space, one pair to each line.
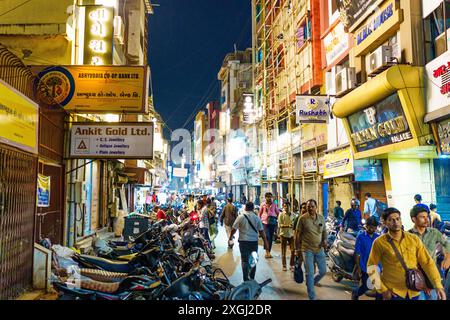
94, 89
443, 131
180, 172
375, 23
438, 83
335, 44
98, 35
19, 119
379, 125
43, 191
122, 140
312, 109
338, 163
354, 11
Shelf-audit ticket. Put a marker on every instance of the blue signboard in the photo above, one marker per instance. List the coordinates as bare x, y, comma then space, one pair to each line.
368, 171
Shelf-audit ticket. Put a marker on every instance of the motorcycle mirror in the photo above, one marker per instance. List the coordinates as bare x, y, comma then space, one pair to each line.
253, 259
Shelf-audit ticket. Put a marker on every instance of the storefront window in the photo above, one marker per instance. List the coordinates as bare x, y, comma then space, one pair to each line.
436, 37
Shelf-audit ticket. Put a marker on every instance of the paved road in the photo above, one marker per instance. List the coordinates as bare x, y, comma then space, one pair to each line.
283, 286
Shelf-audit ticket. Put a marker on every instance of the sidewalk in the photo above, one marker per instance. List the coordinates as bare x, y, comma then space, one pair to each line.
283, 286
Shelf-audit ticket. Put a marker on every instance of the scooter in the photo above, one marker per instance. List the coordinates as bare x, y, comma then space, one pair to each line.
341, 257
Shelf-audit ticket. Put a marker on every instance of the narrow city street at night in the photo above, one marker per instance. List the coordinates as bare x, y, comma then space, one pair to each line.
224, 157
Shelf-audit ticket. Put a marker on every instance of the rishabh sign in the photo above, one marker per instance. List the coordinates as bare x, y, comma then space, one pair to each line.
94, 89
312, 109
19, 119
120, 140
379, 125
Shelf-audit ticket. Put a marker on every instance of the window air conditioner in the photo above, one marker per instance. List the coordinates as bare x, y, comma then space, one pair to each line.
345, 81
119, 30
380, 60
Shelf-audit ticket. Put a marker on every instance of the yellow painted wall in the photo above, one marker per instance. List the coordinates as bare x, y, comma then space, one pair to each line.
35, 12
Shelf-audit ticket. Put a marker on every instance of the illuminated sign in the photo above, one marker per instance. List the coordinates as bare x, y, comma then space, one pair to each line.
94, 89
374, 24
382, 124
98, 36
120, 140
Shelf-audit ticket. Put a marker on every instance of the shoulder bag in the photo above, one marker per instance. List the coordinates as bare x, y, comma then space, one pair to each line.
416, 279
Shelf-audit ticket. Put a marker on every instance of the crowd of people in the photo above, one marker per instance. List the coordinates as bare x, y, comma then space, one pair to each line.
384, 260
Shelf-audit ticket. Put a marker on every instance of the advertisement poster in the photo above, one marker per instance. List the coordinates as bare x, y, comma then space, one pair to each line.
382, 124
19, 119
43, 191
338, 163
94, 89
124, 140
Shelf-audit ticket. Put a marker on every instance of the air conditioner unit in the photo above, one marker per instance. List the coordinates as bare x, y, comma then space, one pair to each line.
380, 60
119, 30
345, 81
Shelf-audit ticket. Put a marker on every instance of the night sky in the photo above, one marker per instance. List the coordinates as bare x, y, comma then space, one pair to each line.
188, 40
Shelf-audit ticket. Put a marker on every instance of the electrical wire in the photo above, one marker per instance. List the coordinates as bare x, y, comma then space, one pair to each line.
16, 7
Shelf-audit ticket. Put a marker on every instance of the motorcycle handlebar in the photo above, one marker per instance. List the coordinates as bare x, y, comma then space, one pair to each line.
265, 283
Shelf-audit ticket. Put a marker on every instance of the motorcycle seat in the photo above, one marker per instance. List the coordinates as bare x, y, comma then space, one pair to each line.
106, 264
343, 249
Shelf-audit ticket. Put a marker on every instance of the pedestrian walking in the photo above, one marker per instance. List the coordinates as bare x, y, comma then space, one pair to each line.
436, 221
287, 235
243, 199
250, 229
352, 219
303, 210
203, 225
370, 207
212, 216
363, 245
431, 238
310, 244
400, 254
338, 212
228, 217
295, 204
268, 214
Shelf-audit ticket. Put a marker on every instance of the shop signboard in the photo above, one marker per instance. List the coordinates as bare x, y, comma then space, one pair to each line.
121, 140
98, 35
443, 130
43, 191
19, 119
438, 82
322, 164
335, 44
239, 176
338, 163
379, 125
180, 172
352, 12
374, 23
312, 109
94, 89
309, 164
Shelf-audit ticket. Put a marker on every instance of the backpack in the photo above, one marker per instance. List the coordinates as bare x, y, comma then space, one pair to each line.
380, 207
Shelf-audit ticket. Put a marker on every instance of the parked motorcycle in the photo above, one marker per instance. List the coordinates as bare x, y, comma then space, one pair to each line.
341, 257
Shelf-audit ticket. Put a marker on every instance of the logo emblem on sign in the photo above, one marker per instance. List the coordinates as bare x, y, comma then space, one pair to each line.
371, 115
56, 86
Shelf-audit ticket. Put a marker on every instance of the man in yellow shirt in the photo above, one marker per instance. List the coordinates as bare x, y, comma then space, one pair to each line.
391, 281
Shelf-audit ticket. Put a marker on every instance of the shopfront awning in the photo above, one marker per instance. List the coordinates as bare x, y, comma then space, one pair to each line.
385, 114
390, 81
